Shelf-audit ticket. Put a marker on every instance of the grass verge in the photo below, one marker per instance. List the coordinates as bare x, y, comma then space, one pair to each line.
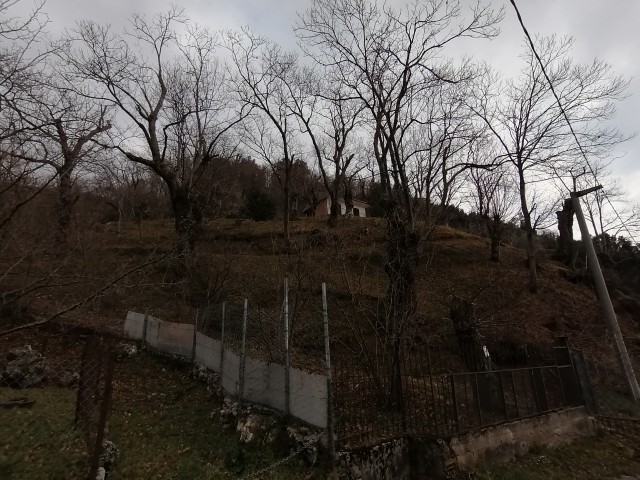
164, 423
603, 456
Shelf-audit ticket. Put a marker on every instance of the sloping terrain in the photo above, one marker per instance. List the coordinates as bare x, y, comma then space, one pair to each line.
239, 259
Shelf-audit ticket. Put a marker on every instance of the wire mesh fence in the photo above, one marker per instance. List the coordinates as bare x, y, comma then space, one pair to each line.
449, 387
611, 388
274, 357
54, 407
613, 403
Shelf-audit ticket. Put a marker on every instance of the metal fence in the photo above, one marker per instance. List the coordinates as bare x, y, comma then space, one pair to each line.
275, 357
449, 387
93, 399
613, 404
611, 390
54, 406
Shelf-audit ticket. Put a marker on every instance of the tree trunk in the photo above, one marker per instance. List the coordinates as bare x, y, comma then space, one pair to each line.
530, 231
395, 400
494, 231
334, 212
287, 208
531, 260
187, 227
402, 253
66, 201
348, 199
565, 228
334, 192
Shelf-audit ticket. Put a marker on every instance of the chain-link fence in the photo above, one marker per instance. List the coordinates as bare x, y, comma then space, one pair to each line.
54, 405
614, 405
276, 357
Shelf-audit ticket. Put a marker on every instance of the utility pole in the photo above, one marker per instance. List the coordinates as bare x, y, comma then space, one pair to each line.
603, 294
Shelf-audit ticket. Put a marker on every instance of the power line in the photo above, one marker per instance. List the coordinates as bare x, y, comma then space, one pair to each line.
566, 117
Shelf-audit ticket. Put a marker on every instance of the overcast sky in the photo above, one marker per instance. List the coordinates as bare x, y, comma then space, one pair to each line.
606, 29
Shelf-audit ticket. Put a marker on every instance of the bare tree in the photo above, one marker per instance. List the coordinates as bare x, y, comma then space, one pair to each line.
610, 211
495, 200
174, 112
21, 54
531, 130
21, 57
389, 60
59, 129
263, 77
124, 186
444, 150
330, 119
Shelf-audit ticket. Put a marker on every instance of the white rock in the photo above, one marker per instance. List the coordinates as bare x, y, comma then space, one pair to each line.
102, 474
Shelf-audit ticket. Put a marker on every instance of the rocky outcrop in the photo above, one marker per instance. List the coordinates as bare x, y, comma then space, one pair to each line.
25, 368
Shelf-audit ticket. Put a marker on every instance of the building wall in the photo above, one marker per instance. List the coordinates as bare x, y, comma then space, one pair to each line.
324, 208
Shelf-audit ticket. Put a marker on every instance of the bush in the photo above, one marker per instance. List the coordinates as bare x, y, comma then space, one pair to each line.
258, 205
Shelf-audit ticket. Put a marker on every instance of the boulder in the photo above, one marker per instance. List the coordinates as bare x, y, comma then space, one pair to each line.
127, 349
109, 455
255, 426
25, 368
305, 440
68, 379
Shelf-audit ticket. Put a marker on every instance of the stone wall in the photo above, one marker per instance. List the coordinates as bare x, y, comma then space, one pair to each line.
387, 461
506, 441
412, 458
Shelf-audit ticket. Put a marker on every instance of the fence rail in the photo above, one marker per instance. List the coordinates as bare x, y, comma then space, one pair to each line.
249, 350
446, 386
430, 393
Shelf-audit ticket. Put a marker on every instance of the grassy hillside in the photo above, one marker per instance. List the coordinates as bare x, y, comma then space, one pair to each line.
239, 259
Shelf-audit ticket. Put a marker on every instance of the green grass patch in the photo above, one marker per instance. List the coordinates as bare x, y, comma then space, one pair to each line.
604, 456
41, 442
164, 423
167, 426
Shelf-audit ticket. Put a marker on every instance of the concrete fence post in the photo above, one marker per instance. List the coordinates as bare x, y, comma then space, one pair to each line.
195, 332
287, 364
145, 322
224, 304
327, 353
243, 350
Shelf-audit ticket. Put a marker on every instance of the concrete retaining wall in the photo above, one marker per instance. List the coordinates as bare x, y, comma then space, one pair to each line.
410, 458
264, 383
505, 442
208, 352
309, 396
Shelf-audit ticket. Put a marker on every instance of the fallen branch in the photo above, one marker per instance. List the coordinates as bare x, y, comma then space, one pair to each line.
22, 402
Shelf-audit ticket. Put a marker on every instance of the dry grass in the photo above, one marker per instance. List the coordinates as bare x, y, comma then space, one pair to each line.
602, 457
246, 259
